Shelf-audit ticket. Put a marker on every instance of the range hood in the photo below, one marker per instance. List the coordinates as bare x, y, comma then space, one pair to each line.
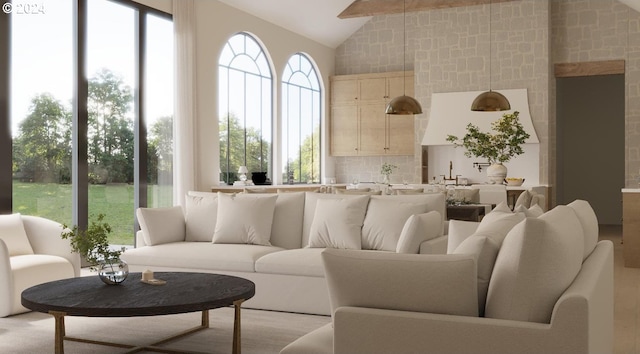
450, 115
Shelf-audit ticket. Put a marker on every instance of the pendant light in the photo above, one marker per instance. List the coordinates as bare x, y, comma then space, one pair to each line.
404, 104
490, 101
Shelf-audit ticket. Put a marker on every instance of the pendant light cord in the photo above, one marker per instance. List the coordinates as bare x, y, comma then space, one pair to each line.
404, 47
490, 48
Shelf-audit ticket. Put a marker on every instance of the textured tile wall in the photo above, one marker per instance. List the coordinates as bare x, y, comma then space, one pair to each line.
449, 51
587, 30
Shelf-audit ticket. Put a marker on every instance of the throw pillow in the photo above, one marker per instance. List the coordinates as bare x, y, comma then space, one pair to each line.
310, 202
499, 222
14, 236
538, 260
533, 212
459, 230
524, 199
337, 223
589, 222
485, 250
386, 217
200, 214
417, 229
287, 220
161, 225
444, 284
244, 218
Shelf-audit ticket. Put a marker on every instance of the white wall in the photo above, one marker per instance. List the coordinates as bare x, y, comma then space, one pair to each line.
215, 23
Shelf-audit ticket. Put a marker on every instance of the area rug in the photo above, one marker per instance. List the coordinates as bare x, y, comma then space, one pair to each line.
262, 332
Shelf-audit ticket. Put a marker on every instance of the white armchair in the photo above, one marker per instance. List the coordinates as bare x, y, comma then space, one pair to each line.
31, 252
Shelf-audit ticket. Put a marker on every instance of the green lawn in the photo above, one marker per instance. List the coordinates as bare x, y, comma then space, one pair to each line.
115, 201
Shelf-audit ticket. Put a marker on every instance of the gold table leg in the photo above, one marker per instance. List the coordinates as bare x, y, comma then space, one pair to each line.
60, 331
236, 327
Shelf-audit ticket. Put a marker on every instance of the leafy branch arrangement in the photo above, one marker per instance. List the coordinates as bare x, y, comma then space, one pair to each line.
387, 169
498, 147
93, 244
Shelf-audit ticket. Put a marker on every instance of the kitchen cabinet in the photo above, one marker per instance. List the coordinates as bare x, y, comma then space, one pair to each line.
358, 124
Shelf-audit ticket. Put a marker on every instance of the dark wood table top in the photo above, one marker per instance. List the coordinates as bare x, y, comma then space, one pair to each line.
183, 292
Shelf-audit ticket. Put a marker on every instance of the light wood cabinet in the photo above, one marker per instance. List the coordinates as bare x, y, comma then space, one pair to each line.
631, 228
359, 126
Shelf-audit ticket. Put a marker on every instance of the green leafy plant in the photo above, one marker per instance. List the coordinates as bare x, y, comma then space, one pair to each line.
500, 146
93, 244
387, 169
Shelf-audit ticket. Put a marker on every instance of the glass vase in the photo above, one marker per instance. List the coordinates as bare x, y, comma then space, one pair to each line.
113, 272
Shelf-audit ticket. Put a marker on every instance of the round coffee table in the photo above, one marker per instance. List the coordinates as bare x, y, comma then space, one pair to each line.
182, 293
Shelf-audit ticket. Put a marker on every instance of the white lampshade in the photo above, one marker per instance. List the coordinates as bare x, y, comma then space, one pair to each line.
243, 169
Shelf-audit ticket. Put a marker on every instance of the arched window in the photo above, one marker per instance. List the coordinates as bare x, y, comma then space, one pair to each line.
300, 121
245, 90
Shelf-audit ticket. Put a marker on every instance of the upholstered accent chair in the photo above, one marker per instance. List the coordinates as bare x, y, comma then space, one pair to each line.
31, 252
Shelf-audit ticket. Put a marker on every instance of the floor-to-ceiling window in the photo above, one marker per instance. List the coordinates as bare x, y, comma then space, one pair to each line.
245, 107
111, 70
41, 93
300, 121
128, 111
159, 110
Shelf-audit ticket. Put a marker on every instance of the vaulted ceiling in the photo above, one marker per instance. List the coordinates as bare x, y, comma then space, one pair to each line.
331, 22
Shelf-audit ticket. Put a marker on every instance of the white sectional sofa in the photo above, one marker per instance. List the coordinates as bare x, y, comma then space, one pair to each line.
512, 284
276, 240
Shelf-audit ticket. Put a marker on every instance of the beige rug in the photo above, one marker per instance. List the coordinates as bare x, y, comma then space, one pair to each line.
262, 331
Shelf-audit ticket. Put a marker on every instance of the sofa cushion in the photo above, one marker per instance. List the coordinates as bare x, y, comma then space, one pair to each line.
199, 256
201, 213
459, 230
589, 222
286, 230
417, 229
538, 260
301, 261
161, 225
385, 219
337, 223
485, 243
499, 222
443, 284
310, 201
485, 250
244, 218
14, 236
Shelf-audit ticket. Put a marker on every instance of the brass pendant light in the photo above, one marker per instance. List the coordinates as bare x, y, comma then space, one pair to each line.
490, 101
404, 104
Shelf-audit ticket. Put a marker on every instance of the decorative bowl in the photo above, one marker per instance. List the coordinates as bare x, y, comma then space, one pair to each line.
513, 181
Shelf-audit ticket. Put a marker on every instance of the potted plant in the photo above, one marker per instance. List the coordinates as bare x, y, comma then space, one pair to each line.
386, 170
93, 245
498, 147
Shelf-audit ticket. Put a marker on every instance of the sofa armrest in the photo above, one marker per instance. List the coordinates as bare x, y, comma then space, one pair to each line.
44, 236
436, 245
140, 239
6, 289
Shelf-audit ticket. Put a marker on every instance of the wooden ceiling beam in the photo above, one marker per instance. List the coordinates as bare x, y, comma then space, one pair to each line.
364, 8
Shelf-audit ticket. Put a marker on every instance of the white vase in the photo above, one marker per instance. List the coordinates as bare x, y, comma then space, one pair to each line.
496, 173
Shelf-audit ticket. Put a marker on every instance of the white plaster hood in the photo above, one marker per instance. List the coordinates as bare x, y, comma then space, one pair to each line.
451, 112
